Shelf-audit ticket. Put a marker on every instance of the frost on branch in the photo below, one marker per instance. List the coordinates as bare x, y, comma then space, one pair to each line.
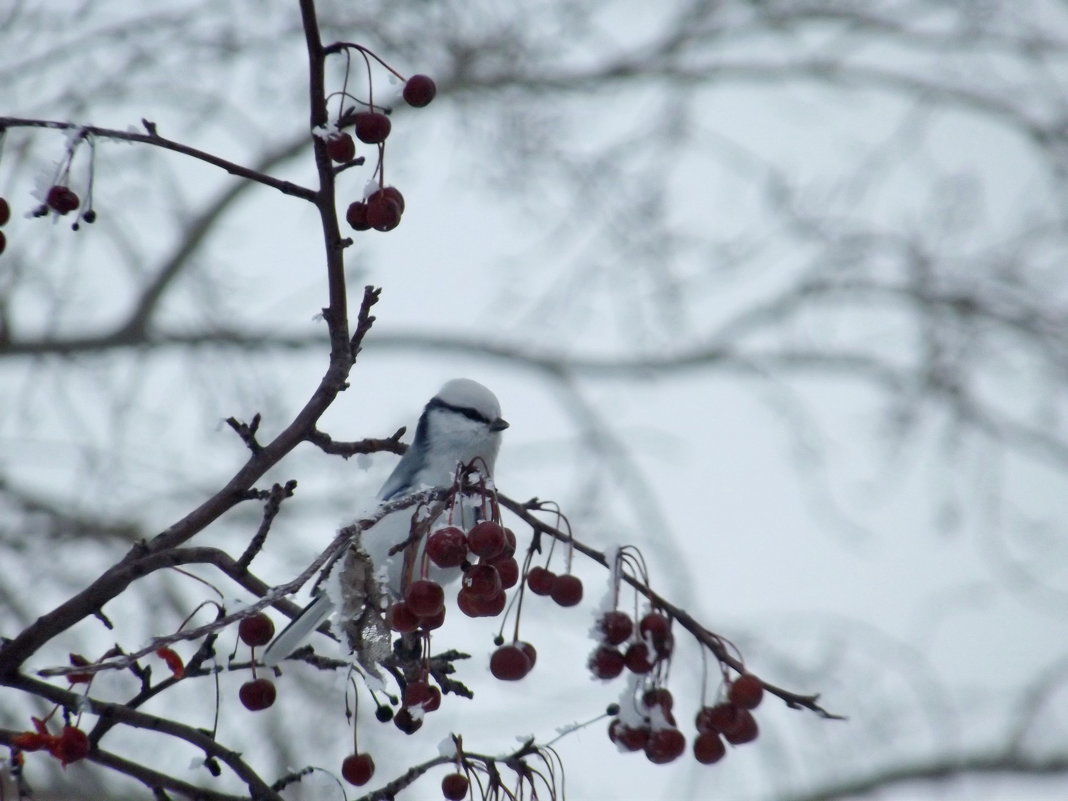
362, 625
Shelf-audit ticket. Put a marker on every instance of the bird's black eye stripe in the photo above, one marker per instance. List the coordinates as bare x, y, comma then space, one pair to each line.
466, 411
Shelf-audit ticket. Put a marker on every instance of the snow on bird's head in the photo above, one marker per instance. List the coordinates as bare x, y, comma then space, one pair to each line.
463, 393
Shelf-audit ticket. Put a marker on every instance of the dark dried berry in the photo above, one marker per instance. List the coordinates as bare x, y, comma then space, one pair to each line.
509, 663
419, 90
566, 590
61, 199
540, 580
372, 127
341, 148
454, 786
746, 691
257, 694
256, 629
358, 769
615, 627
383, 213
356, 216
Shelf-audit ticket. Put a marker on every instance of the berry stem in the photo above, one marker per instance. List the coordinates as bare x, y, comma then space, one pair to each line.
344, 85
365, 52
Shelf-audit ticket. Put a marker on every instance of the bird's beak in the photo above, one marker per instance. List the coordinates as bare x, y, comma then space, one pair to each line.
499, 424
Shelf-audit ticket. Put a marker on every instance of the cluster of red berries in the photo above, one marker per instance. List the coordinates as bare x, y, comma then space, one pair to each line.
565, 588
374, 127
732, 720
513, 662
383, 208
647, 644
658, 735
5, 215
258, 693
482, 592
68, 746
419, 698
62, 199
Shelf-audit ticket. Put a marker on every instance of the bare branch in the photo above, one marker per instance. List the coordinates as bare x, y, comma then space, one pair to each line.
285, 187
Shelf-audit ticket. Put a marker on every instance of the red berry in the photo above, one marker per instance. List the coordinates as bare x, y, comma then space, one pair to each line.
383, 213
510, 542
487, 540
372, 127
482, 580
531, 653
401, 618
474, 605
627, 738
708, 748
394, 194
454, 786
257, 694
566, 590
358, 769
508, 568
419, 90
665, 745
406, 721
447, 547
637, 658
491, 605
616, 627
356, 216
416, 693
431, 622
658, 696
256, 629
73, 745
425, 598
62, 199
540, 580
746, 730
341, 148
746, 691
468, 602
606, 662
722, 718
5, 211
656, 628
433, 700
509, 663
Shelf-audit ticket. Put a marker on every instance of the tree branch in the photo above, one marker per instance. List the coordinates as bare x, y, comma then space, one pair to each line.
259, 790
941, 769
285, 187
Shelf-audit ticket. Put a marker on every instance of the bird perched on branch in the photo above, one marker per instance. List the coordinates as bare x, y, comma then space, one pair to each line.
460, 425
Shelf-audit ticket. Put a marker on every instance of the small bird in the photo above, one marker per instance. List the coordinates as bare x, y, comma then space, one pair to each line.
460, 424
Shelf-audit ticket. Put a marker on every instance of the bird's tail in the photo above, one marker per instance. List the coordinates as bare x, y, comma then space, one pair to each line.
299, 629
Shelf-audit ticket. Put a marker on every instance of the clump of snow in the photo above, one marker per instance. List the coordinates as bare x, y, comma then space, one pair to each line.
629, 713
447, 747
324, 132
